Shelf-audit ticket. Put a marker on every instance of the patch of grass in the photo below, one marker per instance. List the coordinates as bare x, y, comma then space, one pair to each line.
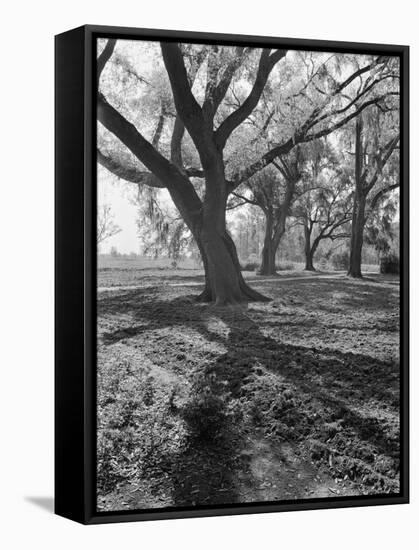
210, 413
136, 425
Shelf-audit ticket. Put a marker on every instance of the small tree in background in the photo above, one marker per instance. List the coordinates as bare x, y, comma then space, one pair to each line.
324, 206
106, 226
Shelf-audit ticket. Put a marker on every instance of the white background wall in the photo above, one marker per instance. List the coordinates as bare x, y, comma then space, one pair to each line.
26, 206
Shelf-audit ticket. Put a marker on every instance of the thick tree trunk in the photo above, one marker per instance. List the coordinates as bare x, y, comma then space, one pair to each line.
357, 237
224, 283
308, 249
274, 231
267, 266
206, 294
309, 262
358, 215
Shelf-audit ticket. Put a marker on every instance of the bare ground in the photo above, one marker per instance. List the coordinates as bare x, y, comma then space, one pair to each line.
296, 398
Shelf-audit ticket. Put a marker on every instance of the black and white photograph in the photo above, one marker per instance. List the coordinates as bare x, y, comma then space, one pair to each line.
248, 263
210, 300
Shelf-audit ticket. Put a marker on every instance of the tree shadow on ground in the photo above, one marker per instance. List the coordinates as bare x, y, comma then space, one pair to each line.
363, 375
328, 387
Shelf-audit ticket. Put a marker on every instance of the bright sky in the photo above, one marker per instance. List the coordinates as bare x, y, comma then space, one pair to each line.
111, 190
117, 194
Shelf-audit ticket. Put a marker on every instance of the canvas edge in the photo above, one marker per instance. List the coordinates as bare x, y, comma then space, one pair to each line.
69, 384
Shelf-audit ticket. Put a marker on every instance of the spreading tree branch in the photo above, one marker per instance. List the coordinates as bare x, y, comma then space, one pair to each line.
340, 123
381, 193
104, 57
158, 131
382, 159
187, 107
136, 143
128, 173
246, 199
266, 64
215, 93
179, 127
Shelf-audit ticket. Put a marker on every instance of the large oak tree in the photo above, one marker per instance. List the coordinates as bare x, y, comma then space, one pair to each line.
210, 125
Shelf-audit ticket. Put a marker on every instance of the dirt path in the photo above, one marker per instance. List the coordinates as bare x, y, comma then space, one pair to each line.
263, 472
269, 471
276, 472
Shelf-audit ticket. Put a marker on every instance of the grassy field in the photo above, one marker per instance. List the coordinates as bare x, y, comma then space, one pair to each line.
296, 398
142, 271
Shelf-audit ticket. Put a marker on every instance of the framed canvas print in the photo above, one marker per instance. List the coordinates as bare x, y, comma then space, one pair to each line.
231, 274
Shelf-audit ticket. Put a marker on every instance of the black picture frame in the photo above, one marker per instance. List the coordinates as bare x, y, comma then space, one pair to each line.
75, 274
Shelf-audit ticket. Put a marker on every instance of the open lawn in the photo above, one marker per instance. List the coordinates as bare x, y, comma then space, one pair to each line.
140, 271
295, 398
